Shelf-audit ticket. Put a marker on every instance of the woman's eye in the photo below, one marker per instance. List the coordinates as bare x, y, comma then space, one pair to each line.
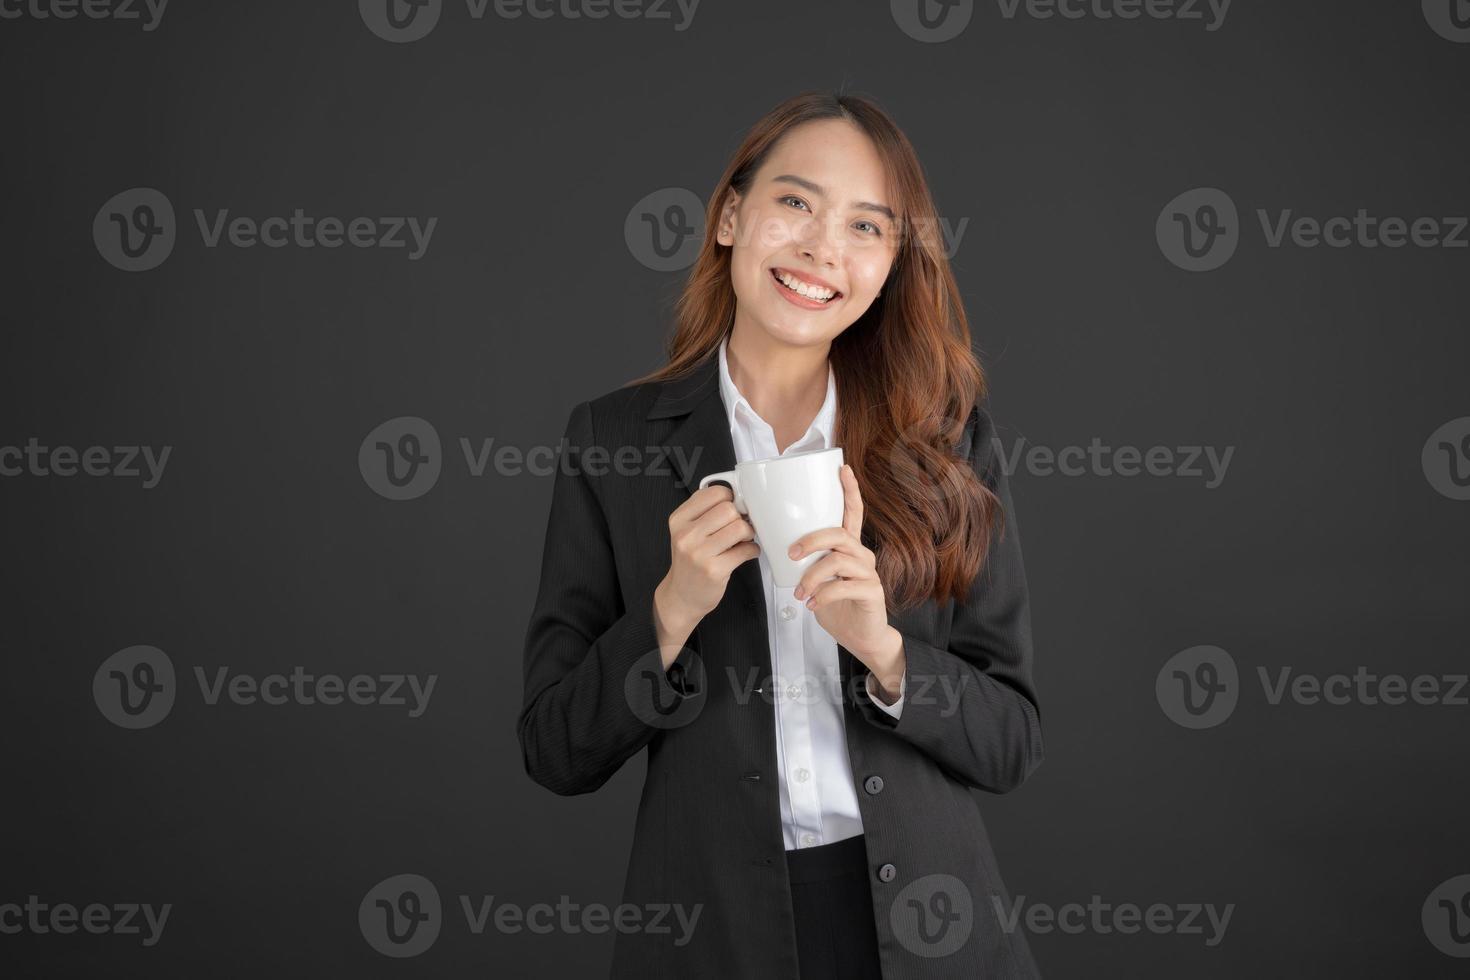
794, 200
873, 229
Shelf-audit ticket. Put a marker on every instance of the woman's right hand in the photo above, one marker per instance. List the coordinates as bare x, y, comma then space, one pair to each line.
708, 540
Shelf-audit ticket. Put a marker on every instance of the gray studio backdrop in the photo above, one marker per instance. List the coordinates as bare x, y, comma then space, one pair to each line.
257, 680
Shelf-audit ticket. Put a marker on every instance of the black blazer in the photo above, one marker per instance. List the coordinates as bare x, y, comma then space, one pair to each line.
708, 830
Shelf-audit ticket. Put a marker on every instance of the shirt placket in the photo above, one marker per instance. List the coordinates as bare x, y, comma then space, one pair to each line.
795, 676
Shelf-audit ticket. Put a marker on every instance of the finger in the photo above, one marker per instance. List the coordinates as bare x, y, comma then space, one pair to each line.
833, 538
701, 501
852, 503
718, 517
834, 565
737, 556
844, 588
725, 538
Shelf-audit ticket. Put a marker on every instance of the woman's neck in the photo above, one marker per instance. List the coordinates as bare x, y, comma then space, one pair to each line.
785, 385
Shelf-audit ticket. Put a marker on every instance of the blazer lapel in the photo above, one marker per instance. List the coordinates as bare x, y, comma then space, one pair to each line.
700, 444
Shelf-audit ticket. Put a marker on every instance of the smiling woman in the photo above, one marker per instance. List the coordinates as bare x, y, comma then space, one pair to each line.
817, 752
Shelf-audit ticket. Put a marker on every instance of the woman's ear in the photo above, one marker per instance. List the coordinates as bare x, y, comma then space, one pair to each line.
726, 231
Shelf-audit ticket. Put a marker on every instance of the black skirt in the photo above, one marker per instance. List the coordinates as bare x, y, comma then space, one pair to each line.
835, 934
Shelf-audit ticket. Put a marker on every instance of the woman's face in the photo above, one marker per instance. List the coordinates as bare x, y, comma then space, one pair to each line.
816, 216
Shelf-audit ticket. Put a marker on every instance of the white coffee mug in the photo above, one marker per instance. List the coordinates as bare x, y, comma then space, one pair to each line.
787, 497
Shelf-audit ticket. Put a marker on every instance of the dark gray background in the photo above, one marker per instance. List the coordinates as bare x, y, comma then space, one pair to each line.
263, 548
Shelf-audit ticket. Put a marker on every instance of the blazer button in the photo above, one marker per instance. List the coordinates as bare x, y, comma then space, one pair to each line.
887, 873
874, 785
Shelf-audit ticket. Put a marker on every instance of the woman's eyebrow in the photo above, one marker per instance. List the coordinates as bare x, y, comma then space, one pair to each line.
817, 189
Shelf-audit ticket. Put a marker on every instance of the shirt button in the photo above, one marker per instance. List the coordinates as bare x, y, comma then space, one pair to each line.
793, 692
802, 775
887, 873
788, 613
874, 785
807, 840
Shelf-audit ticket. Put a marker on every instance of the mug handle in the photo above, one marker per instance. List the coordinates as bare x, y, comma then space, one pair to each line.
732, 478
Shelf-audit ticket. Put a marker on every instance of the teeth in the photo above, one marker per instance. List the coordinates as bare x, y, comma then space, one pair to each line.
809, 291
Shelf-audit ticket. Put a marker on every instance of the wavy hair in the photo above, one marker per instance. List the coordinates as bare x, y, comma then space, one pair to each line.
906, 375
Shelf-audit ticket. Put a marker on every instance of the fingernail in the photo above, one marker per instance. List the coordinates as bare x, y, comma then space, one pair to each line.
795, 551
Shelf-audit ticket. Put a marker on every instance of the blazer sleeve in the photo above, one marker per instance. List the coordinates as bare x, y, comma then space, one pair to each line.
581, 718
972, 707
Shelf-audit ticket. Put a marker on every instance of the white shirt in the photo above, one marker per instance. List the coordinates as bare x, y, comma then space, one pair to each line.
818, 794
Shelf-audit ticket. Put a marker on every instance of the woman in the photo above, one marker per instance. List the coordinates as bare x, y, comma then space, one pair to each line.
816, 754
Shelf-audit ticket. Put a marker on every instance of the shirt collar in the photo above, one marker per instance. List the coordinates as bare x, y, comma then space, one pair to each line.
822, 426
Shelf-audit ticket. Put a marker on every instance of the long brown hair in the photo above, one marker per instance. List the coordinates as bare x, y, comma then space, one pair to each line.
906, 376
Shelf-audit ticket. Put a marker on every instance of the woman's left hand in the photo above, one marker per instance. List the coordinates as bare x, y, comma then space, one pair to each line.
845, 593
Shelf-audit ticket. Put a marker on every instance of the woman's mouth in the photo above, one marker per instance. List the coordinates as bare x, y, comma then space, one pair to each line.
804, 294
